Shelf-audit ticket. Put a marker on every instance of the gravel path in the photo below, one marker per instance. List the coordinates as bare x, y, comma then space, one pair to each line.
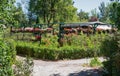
64, 68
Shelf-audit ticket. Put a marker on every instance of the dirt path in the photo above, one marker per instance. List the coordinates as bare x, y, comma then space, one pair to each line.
64, 68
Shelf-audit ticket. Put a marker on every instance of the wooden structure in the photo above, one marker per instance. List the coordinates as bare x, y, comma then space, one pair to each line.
87, 27
37, 30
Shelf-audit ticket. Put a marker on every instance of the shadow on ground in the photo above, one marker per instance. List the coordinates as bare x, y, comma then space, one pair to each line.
91, 72
55, 74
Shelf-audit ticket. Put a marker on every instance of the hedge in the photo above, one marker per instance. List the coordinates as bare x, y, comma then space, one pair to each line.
53, 53
74, 47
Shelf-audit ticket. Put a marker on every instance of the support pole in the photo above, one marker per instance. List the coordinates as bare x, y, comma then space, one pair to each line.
60, 35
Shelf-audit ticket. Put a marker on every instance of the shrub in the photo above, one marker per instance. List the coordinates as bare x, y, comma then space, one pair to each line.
111, 50
74, 47
7, 56
53, 52
95, 62
23, 67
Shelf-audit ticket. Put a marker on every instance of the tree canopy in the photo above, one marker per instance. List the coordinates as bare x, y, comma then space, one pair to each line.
110, 13
11, 14
5, 10
53, 10
104, 12
83, 16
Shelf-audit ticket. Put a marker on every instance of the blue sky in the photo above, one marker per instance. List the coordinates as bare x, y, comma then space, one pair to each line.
88, 5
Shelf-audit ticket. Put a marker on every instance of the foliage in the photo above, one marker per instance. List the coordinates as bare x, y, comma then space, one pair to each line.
83, 16
51, 53
19, 16
111, 50
5, 11
7, 57
74, 47
115, 13
94, 13
104, 10
110, 13
95, 62
94, 16
11, 14
52, 10
23, 67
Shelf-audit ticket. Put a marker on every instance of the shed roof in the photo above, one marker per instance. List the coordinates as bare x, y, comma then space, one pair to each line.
83, 24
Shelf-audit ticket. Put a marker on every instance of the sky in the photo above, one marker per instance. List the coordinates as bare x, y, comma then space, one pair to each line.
86, 5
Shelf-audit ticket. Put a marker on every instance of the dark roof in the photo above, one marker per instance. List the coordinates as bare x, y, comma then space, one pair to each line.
97, 22
82, 24
75, 24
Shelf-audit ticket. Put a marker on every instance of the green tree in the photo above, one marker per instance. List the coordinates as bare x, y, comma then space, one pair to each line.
66, 12
5, 10
42, 8
104, 12
115, 13
83, 16
52, 10
18, 15
94, 15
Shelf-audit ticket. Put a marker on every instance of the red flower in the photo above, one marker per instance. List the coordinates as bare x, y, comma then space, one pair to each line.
38, 37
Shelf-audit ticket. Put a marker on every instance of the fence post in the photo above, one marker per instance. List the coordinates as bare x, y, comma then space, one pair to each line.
60, 35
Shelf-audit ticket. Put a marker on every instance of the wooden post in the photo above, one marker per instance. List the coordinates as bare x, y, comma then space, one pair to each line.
60, 35
94, 27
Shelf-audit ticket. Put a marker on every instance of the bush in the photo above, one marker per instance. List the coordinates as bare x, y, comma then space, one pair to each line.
78, 47
52, 53
95, 62
74, 47
7, 57
111, 50
23, 67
